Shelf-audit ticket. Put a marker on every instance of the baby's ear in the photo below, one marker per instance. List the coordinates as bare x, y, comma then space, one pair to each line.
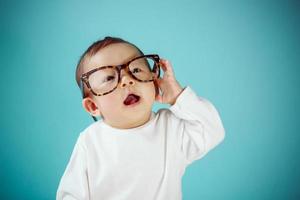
90, 106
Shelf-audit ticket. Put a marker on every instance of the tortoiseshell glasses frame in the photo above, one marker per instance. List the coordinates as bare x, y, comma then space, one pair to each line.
85, 77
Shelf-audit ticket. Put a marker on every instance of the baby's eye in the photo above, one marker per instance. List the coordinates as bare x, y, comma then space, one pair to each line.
136, 70
109, 78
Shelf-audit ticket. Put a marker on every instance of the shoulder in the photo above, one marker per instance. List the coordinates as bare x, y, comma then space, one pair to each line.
167, 115
89, 132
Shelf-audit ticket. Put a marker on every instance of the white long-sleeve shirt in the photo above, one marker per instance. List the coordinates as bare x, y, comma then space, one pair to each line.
145, 162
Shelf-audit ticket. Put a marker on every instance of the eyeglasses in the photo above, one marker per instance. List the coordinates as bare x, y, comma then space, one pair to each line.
104, 80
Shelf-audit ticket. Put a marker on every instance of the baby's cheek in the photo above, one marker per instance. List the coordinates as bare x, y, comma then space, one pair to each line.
108, 105
151, 92
113, 103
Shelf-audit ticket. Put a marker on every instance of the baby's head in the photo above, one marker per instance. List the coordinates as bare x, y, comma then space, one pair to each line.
107, 82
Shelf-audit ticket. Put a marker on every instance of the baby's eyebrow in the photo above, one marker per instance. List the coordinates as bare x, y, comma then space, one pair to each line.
126, 61
129, 59
132, 57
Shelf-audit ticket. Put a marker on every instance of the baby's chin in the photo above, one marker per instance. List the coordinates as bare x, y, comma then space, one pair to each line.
138, 108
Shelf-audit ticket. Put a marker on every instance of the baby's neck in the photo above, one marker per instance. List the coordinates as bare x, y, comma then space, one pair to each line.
131, 124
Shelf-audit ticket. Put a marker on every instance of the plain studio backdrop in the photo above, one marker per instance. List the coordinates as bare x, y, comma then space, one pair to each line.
241, 55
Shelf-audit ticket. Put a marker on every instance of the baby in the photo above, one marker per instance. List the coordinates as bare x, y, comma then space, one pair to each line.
134, 153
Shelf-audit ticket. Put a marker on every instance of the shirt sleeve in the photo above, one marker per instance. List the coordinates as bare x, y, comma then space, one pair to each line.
202, 128
74, 182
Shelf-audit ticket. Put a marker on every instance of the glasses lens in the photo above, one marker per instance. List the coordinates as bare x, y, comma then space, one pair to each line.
103, 80
144, 69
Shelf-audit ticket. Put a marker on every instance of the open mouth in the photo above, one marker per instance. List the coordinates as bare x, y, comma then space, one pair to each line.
131, 99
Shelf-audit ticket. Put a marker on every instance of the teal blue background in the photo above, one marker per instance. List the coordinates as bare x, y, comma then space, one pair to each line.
241, 55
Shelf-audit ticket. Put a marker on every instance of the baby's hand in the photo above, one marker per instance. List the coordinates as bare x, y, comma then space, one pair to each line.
168, 85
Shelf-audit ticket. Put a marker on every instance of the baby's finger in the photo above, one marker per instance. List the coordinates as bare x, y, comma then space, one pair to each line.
162, 64
159, 98
158, 80
166, 65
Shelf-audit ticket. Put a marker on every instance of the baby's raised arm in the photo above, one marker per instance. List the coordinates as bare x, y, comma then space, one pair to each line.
200, 128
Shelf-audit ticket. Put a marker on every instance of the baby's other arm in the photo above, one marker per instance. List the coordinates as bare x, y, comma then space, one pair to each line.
74, 182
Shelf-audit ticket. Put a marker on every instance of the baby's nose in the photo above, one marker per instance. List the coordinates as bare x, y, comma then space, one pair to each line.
126, 80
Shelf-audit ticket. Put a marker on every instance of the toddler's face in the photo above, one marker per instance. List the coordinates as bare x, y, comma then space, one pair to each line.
111, 106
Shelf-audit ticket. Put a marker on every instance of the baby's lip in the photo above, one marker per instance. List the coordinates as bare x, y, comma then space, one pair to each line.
130, 93
129, 96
